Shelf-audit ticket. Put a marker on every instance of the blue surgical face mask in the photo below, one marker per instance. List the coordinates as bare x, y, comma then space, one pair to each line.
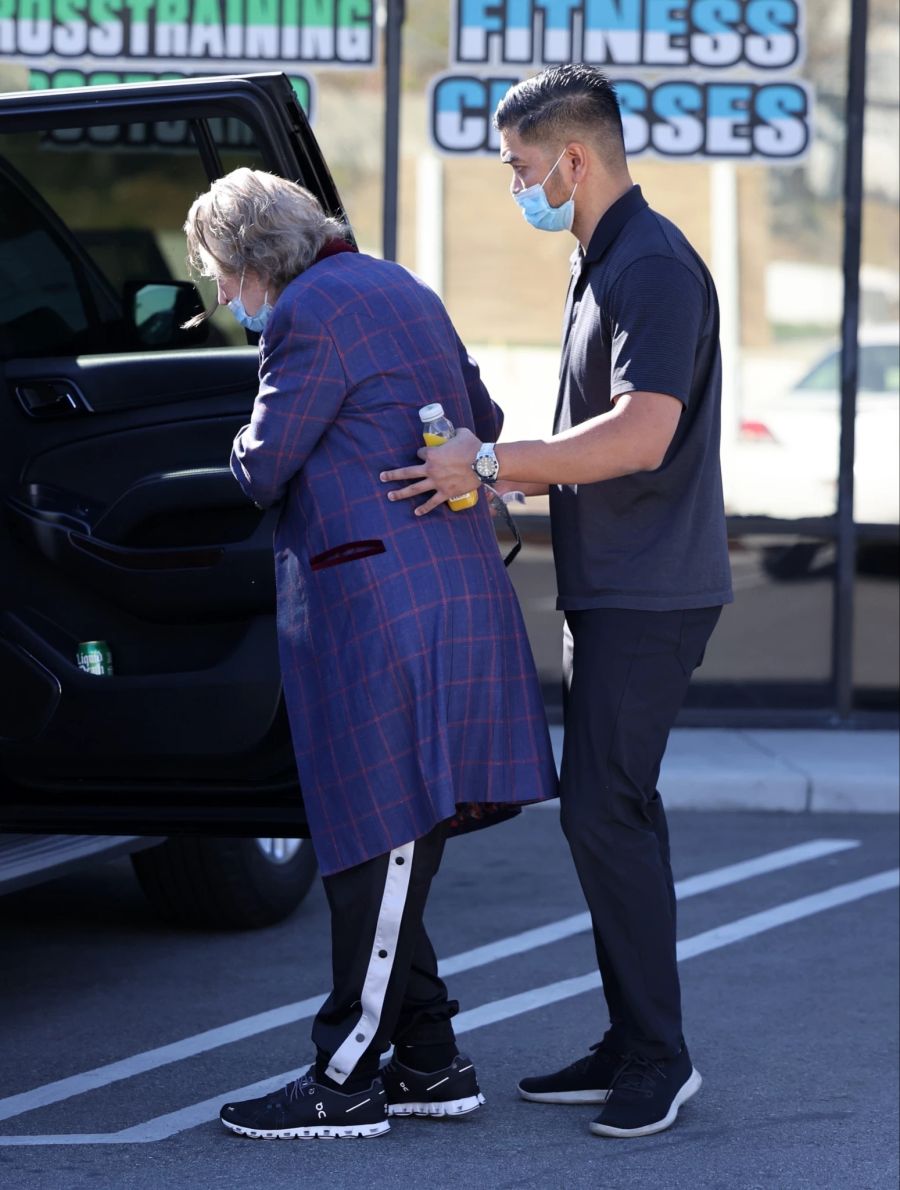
251, 322
537, 210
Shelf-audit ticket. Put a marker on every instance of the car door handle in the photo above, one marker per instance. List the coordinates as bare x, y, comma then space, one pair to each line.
50, 398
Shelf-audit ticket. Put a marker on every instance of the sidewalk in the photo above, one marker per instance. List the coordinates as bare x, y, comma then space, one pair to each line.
797, 771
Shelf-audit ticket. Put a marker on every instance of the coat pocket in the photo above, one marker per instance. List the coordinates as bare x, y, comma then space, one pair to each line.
351, 551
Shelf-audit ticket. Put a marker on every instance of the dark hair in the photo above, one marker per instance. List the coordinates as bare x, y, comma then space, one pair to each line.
560, 101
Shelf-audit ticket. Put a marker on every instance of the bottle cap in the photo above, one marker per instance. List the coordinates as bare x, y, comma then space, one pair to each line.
430, 412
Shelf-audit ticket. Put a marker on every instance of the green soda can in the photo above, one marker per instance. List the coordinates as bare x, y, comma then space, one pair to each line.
94, 657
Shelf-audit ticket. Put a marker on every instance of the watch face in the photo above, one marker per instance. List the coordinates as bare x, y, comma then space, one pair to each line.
486, 467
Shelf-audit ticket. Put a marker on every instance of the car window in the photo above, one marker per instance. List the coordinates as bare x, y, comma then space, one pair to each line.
41, 302
824, 377
90, 214
879, 370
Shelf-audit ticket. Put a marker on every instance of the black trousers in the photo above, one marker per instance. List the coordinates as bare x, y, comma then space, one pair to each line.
385, 985
626, 675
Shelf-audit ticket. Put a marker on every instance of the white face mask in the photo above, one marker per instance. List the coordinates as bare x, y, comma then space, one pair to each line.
537, 210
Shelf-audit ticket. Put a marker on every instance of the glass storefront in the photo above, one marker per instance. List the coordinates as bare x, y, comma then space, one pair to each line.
773, 235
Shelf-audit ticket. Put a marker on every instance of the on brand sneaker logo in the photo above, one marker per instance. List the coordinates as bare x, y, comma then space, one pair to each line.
320, 1111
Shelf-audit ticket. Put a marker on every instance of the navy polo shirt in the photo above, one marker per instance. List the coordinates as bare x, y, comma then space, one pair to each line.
642, 316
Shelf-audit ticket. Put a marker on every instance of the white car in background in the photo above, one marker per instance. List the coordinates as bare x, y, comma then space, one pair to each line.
785, 463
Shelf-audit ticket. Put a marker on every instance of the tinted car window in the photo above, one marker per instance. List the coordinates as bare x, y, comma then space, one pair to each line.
41, 304
89, 214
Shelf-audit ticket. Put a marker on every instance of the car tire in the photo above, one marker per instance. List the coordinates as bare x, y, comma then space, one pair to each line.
225, 884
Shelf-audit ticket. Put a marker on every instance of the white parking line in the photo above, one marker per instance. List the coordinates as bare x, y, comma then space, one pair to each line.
692, 886
172, 1123
288, 1014
714, 939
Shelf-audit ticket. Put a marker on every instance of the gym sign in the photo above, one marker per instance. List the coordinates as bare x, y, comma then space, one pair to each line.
228, 35
70, 42
695, 78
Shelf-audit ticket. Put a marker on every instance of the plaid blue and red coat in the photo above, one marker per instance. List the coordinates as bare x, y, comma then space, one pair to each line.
408, 677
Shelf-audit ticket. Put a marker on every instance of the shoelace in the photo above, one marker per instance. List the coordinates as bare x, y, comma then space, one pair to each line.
637, 1076
581, 1065
298, 1086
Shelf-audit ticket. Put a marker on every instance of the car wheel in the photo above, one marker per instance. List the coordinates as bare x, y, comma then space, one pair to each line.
227, 884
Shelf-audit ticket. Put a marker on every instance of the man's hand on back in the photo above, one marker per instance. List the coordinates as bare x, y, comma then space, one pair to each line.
446, 471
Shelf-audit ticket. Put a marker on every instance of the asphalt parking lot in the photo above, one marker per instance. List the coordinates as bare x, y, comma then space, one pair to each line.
122, 1036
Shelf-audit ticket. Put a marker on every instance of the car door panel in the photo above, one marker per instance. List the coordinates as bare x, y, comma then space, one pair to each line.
160, 533
136, 708
195, 581
121, 522
114, 454
132, 519
37, 691
106, 384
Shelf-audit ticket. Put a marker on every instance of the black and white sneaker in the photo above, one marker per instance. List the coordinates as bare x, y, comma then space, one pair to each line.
449, 1092
646, 1095
307, 1110
585, 1081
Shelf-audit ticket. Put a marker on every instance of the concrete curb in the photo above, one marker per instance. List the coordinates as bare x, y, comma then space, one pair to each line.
793, 771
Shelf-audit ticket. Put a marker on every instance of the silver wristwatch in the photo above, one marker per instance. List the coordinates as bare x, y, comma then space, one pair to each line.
486, 465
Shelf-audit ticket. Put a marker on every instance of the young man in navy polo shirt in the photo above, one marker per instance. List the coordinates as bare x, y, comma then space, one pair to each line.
641, 558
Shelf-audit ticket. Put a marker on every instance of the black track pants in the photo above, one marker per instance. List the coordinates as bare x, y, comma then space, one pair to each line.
626, 676
386, 988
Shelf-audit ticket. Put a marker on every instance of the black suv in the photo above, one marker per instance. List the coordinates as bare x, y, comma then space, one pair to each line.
120, 519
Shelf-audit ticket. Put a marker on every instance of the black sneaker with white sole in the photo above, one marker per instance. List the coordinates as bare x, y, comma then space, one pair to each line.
585, 1081
450, 1092
646, 1095
306, 1110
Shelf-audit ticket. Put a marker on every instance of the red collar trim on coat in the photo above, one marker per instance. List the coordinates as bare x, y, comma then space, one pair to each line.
332, 247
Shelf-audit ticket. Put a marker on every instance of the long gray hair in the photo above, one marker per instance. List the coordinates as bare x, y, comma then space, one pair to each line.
254, 220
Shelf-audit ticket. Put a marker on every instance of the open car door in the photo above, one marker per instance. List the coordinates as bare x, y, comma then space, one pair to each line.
119, 519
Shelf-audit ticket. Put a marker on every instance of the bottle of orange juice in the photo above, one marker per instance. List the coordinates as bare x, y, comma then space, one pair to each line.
437, 429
